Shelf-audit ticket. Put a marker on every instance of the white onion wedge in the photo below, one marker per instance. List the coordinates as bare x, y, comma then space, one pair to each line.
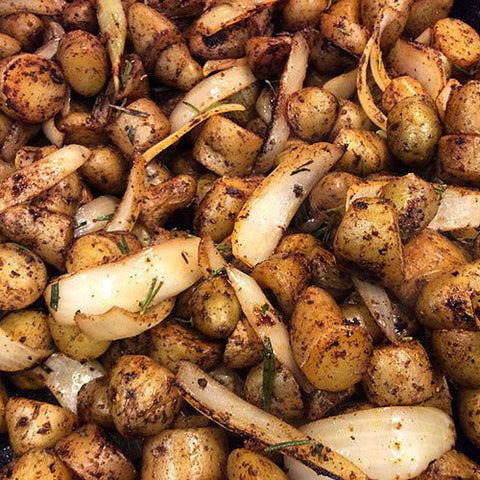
442, 100
227, 409
129, 208
185, 128
30, 181
64, 377
267, 213
53, 134
344, 85
15, 356
265, 320
119, 323
223, 15
210, 259
94, 216
39, 7
389, 443
208, 92
154, 273
369, 189
425, 37
291, 80
380, 307
213, 66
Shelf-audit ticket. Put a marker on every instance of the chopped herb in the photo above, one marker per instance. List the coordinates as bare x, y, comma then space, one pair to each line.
343, 31
127, 71
54, 297
51, 344
407, 339
103, 218
81, 224
152, 292
21, 247
381, 133
130, 111
440, 189
83, 434
123, 245
217, 272
193, 107
212, 106
363, 168
325, 232
295, 443
272, 87
268, 373
131, 133
264, 308
461, 69
224, 248
302, 168
184, 256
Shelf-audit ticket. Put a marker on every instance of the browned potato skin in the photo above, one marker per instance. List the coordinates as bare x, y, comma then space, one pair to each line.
93, 405
84, 62
426, 255
312, 112
285, 276
8, 47
458, 41
320, 402
33, 424
369, 9
244, 348
78, 128
40, 465
136, 85
171, 342
80, 15
244, 464
143, 398
458, 354
350, 115
168, 456
399, 375
326, 57
29, 327
369, 237
333, 27
23, 277
358, 314
266, 56
128, 346
91, 456
25, 27
468, 413
451, 465
399, 89
424, 14
286, 400
461, 116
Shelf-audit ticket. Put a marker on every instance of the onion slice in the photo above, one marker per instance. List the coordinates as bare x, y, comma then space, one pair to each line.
150, 276
64, 377
291, 80
380, 307
191, 124
208, 92
210, 259
369, 189
224, 15
128, 211
230, 411
442, 100
389, 443
39, 7
119, 323
94, 216
28, 182
53, 134
213, 66
267, 213
266, 321
16, 356
344, 85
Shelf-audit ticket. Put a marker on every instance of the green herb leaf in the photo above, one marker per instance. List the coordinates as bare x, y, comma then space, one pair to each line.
83, 434
344, 32
129, 111
381, 133
193, 107
264, 308
302, 168
152, 292
212, 106
131, 132
268, 373
363, 168
217, 272
127, 71
325, 233
81, 224
461, 69
295, 443
123, 245
103, 218
54, 295
20, 246
440, 189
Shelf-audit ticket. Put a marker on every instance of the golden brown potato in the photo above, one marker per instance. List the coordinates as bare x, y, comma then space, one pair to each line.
91, 456
450, 465
244, 464
23, 276
25, 27
358, 314
93, 405
143, 398
139, 130
78, 128
244, 348
332, 353
442, 398
413, 130
399, 375
8, 47
171, 342
27, 379
299, 14
84, 62
47, 234
33, 424
29, 327
228, 378
320, 402
266, 56
458, 41
328, 58
368, 237
351, 116
134, 79
369, 9
32, 88
469, 414
458, 354
399, 89
40, 464
168, 455
286, 400
79, 15
127, 346
311, 112
461, 116
424, 14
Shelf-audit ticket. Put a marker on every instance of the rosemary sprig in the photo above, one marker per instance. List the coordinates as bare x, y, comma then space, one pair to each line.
55, 294
295, 443
264, 308
103, 218
268, 373
217, 272
303, 168
193, 107
440, 189
127, 71
344, 32
20, 246
152, 292
123, 245
129, 111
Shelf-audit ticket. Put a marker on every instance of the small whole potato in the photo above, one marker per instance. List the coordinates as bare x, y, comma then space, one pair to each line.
93, 405
244, 348
245, 464
399, 375
469, 414
29, 327
399, 89
143, 398
84, 62
311, 112
77, 126
79, 15
462, 116
413, 130
40, 464
8, 47
25, 27
32, 88
350, 115
23, 277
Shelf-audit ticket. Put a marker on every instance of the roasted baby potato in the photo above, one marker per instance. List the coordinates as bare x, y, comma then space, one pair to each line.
468, 411
245, 464
93, 405
461, 116
40, 464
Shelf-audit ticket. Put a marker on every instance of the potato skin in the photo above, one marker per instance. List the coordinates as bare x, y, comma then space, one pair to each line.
25, 27
93, 405
468, 402
143, 398
29, 327
399, 375
244, 348
79, 15
8, 47
450, 465
244, 464
168, 455
40, 465
23, 277
461, 116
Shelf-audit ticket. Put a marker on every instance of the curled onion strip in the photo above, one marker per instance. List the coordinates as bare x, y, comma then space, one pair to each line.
93, 216
53, 134
213, 66
39, 7
344, 85
209, 258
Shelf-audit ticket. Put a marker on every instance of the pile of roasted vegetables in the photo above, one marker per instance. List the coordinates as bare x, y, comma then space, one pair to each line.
239, 240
